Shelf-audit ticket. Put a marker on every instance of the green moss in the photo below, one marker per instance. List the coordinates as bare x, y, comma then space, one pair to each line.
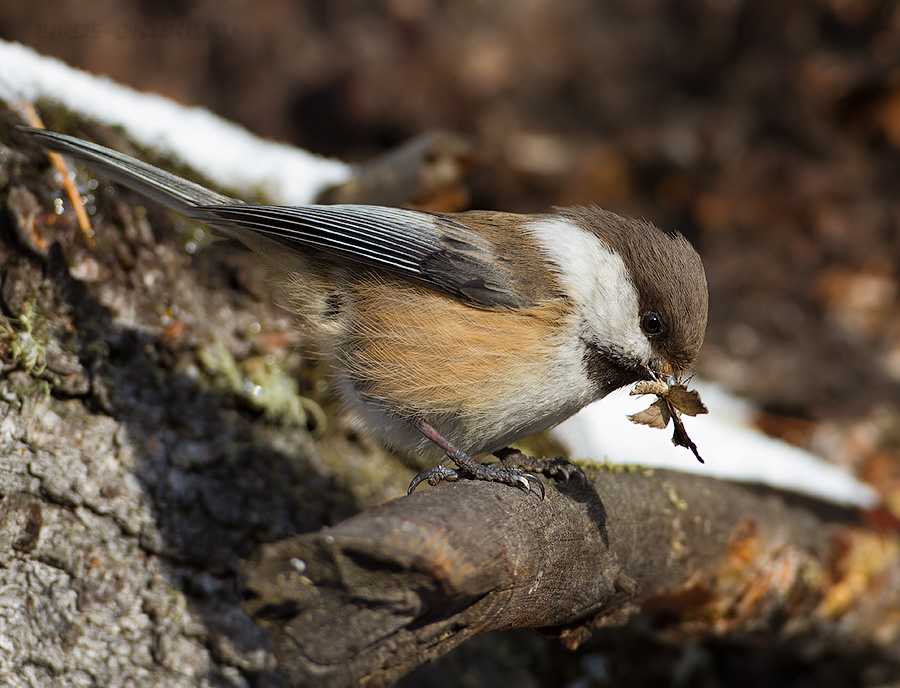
275, 391
26, 339
610, 467
265, 384
677, 501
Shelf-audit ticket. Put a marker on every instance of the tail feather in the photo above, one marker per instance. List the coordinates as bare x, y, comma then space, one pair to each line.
166, 188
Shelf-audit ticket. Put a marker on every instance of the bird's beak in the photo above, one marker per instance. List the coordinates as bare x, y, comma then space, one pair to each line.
666, 372
663, 371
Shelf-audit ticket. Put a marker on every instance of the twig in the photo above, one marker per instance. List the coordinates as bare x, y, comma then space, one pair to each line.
58, 162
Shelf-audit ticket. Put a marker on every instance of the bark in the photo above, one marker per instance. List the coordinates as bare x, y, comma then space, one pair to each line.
372, 598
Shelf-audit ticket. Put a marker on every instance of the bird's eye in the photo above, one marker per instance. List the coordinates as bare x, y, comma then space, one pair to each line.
651, 323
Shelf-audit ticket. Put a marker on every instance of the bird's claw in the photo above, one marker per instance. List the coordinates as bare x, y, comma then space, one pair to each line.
552, 467
433, 476
524, 481
496, 472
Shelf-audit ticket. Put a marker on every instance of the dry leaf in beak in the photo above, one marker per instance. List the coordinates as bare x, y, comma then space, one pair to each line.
657, 416
672, 402
686, 400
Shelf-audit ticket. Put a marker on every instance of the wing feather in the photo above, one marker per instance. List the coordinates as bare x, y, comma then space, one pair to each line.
429, 249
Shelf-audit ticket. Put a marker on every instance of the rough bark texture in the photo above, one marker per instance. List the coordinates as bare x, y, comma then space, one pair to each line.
396, 586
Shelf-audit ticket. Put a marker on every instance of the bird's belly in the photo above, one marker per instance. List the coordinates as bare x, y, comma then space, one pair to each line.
482, 378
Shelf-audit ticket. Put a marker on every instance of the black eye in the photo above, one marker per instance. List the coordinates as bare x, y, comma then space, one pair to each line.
650, 323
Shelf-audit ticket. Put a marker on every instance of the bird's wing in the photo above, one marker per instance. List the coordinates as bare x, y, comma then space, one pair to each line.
429, 249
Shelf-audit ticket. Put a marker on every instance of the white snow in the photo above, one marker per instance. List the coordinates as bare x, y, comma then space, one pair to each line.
225, 152
730, 446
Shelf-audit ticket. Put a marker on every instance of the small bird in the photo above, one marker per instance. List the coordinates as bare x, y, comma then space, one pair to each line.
455, 334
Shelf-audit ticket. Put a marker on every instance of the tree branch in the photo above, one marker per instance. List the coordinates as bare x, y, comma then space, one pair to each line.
403, 583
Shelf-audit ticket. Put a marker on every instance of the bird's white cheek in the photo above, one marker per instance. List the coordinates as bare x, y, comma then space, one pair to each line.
596, 277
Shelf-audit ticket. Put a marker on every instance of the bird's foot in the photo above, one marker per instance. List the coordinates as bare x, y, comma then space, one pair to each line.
490, 472
469, 468
552, 467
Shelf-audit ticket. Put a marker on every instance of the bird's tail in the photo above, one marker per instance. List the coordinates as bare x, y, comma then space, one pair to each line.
171, 190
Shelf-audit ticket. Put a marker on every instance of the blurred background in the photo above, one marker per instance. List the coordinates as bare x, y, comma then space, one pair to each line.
767, 131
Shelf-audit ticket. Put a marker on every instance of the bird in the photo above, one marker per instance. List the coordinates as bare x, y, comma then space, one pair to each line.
453, 335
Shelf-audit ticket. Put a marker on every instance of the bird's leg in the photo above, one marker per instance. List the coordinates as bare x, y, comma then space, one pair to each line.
467, 467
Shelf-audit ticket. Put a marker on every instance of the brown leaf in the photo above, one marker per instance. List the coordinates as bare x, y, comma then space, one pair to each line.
657, 416
680, 438
657, 387
686, 400
673, 400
